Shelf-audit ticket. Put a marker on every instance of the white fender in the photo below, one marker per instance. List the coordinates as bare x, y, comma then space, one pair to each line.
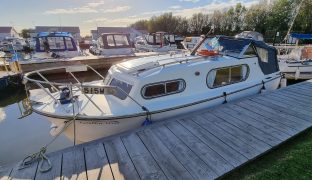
283, 82
297, 74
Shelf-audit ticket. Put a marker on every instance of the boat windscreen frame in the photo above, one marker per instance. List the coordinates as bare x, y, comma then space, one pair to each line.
105, 41
45, 38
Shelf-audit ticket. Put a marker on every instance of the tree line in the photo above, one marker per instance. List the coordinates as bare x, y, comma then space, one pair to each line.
265, 17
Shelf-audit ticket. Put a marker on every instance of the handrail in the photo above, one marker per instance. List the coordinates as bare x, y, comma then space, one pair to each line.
79, 85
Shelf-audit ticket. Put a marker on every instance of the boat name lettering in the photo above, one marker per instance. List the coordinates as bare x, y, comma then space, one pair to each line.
98, 90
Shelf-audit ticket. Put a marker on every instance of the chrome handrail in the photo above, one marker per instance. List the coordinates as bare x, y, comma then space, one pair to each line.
79, 85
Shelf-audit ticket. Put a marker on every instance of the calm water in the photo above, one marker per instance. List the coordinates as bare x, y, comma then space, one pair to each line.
21, 137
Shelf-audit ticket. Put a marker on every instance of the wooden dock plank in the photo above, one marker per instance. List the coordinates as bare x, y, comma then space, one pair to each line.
279, 107
281, 113
142, 159
97, 164
281, 127
289, 104
245, 127
55, 172
26, 173
247, 117
293, 96
228, 153
237, 144
236, 132
214, 160
284, 107
5, 172
274, 115
73, 165
164, 158
196, 166
120, 162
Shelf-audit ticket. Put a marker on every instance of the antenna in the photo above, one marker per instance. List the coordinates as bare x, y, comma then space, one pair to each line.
60, 21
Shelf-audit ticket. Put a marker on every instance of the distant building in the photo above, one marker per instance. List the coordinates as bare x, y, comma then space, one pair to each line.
133, 32
7, 32
74, 30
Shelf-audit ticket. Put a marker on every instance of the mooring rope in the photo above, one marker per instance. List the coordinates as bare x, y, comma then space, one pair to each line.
41, 154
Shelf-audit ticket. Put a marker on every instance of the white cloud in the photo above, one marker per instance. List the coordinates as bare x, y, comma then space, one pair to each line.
175, 7
114, 22
88, 8
193, 1
210, 8
117, 9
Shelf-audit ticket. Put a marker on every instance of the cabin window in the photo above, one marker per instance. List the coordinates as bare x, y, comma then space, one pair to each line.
56, 43
163, 89
121, 40
110, 40
123, 88
263, 54
69, 43
225, 76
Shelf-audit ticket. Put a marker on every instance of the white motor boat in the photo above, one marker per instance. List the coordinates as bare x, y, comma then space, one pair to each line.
296, 61
156, 42
190, 42
112, 44
55, 45
149, 89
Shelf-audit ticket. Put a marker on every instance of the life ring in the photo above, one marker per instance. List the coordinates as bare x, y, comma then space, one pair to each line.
205, 52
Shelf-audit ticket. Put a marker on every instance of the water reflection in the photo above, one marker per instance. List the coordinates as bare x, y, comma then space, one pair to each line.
2, 115
20, 137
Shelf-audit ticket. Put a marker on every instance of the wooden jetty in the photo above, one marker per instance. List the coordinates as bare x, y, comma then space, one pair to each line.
97, 62
203, 145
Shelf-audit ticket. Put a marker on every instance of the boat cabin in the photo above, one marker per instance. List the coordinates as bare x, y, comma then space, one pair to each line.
159, 41
113, 44
60, 43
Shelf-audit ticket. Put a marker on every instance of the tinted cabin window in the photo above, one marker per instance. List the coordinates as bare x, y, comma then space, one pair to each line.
110, 40
226, 76
121, 40
163, 89
155, 90
56, 43
69, 43
123, 88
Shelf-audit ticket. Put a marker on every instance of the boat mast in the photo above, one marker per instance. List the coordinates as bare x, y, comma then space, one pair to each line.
293, 21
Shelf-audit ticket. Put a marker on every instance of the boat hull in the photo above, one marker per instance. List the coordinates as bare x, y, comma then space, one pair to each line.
90, 129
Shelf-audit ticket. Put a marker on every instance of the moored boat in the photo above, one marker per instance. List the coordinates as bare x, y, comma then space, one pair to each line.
144, 90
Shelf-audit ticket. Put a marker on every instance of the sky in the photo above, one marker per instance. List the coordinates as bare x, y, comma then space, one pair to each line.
89, 14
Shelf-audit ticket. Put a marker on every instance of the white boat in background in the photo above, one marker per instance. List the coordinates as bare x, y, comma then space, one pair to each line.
54, 45
190, 42
156, 42
149, 89
113, 44
296, 61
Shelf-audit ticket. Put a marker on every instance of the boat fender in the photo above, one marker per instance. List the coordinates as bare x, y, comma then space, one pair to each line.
263, 89
225, 101
148, 118
283, 82
297, 74
65, 96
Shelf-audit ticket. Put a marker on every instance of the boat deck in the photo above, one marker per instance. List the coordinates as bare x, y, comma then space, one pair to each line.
202, 145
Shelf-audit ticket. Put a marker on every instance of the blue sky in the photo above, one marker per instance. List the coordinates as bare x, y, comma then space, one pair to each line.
88, 14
